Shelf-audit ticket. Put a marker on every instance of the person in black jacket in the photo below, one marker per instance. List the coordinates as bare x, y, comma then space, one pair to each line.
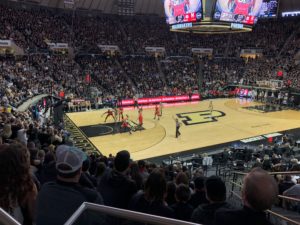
86, 180
182, 209
259, 193
151, 200
115, 186
57, 201
216, 194
199, 197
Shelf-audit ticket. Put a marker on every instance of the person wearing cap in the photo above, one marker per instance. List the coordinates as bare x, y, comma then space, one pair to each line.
115, 186
58, 200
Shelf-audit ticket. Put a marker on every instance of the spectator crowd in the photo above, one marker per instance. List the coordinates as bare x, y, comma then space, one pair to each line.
44, 179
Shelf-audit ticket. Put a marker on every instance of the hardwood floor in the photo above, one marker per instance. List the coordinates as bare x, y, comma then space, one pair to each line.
229, 121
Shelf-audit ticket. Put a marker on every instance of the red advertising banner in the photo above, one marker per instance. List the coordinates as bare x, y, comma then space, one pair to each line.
145, 101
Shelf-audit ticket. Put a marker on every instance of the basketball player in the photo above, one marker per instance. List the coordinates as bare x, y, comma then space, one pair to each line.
160, 108
136, 104
109, 113
140, 118
120, 113
210, 108
156, 112
115, 110
125, 124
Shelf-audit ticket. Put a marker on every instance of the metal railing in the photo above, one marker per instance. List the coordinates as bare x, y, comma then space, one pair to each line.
124, 214
6, 219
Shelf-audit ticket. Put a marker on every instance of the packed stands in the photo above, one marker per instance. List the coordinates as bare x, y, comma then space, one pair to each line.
126, 74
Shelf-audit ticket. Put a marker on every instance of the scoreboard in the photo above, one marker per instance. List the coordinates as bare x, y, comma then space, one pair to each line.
217, 16
183, 11
269, 9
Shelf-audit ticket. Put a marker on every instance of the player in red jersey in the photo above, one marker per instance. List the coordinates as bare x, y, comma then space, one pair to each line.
140, 118
241, 7
109, 113
125, 124
120, 113
157, 112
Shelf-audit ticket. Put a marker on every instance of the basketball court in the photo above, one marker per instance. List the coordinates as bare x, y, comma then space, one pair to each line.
231, 120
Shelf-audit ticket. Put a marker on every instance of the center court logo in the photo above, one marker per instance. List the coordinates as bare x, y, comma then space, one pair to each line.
193, 118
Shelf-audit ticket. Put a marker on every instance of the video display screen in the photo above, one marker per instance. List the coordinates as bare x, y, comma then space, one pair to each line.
269, 9
238, 11
183, 11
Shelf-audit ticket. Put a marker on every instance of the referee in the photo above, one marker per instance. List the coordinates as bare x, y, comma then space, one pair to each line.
178, 125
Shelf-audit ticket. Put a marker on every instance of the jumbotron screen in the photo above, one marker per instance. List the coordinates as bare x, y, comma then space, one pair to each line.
183, 11
269, 9
238, 11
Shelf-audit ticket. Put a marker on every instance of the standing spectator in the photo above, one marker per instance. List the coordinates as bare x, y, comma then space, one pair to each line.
216, 195
115, 186
182, 209
206, 163
57, 201
258, 194
17, 189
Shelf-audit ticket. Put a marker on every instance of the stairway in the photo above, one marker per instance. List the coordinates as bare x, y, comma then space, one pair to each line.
161, 73
125, 36
288, 40
126, 75
227, 46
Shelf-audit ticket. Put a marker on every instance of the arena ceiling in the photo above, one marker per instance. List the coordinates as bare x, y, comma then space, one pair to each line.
140, 6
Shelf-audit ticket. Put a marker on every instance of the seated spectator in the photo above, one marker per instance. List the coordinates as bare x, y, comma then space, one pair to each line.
17, 189
136, 176
182, 178
267, 163
86, 180
100, 171
199, 196
6, 132
258, 194
48, 171
285, 184
215, 190
115, 186
182, 209
57, 201
151, 200
171, 189
143, 171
